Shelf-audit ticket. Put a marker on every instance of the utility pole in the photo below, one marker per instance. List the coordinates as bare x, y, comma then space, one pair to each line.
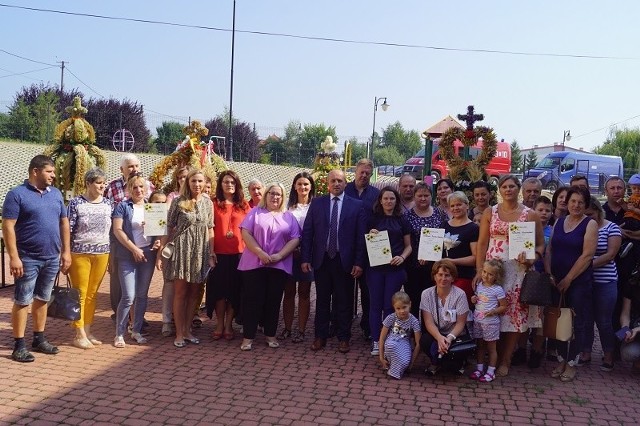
62, 77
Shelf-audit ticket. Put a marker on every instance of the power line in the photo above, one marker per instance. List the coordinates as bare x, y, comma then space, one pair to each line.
88, 87
607, 127
26, 59
326, 39
23, 73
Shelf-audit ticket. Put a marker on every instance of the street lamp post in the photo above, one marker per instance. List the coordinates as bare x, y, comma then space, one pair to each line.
566, 136
384, 106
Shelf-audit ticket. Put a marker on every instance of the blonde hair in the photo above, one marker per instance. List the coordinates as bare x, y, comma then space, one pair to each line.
263, 200
186, 196
133, 180
400, 296
498, 266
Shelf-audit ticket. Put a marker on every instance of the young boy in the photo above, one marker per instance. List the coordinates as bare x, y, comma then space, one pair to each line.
544, 209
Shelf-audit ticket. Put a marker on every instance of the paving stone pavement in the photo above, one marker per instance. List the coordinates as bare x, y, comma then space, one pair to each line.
216, 383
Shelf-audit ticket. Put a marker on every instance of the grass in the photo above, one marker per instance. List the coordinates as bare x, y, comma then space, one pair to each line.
579, 400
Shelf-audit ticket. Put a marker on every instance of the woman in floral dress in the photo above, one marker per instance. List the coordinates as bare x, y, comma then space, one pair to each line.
493, 243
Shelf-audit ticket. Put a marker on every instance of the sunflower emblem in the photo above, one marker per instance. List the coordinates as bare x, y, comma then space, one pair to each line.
147, 207
369, 237
386, 250
426, 231
528, 244
513, 227
437, 248
162, 222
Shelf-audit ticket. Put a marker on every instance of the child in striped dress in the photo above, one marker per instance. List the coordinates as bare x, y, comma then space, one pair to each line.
396, 355
491, 302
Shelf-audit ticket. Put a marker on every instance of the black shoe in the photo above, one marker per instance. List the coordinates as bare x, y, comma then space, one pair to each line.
519, 357
22, 355
45, 348
535, 358
113, 317
366, 334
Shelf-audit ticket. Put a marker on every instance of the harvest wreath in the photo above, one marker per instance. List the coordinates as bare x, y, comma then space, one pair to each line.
462, 170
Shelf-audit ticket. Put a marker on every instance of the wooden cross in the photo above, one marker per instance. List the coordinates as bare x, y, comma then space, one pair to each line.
470, 118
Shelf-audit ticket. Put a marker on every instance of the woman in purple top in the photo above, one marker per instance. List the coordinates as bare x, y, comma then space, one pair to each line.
569, 260
271, 234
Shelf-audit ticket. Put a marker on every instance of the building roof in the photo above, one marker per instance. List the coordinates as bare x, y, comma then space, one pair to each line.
442, 126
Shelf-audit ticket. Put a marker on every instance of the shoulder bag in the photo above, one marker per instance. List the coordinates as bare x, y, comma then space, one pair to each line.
64, 302
557, 322
463, 343
537, 289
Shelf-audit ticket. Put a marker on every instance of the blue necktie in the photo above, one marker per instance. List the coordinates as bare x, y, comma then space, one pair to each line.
332, 248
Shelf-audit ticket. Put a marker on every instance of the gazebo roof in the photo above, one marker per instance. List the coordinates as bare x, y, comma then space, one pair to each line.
442, 126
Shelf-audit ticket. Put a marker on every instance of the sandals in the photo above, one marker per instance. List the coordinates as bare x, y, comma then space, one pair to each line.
179, 343
246, 346
502, 371
45, 348
83, 343
141, 340
167, 329
557, 372
285, 334
22, 355
568, 374
94, 341
118, 342
475, 375
273, 344
193, 340
197, 322
228, 335
297, 336
487, 378
217, 335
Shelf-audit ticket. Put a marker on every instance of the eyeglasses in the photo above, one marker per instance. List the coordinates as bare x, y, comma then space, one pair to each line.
275, 194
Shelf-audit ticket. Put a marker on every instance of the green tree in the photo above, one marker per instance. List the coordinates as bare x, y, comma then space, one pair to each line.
4, 125
406, 142
624, 143
170, 133
531, 159
310, 138
516, 158
388, 155
21, 122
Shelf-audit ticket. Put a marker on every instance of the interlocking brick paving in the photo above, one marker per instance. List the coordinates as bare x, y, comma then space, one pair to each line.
216, 383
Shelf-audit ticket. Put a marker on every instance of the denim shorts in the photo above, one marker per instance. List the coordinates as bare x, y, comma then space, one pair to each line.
37, 281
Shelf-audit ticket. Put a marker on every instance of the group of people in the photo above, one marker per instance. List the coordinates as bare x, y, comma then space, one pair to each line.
253, 255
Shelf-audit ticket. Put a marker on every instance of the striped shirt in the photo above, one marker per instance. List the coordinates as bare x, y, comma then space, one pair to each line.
607, 272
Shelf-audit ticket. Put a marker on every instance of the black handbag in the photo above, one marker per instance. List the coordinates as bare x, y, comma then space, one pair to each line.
537, 289
463, 343
64, 302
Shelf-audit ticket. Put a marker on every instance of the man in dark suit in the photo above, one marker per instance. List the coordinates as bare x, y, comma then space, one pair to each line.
333, 246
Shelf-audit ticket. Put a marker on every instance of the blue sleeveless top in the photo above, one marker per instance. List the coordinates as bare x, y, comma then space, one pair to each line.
566, 248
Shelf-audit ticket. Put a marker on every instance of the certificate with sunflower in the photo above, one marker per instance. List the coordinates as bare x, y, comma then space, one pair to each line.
522, 238
431, 244
378, 248
155, 219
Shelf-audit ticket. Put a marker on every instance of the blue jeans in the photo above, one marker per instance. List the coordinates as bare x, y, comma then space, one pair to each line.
604, 300
383, 282
37, 281
135, 279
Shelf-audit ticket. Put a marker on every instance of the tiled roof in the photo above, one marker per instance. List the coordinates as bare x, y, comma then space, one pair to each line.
442, 126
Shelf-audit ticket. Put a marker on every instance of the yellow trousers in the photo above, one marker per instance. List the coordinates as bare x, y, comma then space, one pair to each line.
86, 274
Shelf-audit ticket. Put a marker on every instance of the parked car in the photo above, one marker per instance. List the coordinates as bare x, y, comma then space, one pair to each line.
390, 170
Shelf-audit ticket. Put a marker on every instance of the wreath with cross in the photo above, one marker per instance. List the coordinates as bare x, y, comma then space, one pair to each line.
461, 168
